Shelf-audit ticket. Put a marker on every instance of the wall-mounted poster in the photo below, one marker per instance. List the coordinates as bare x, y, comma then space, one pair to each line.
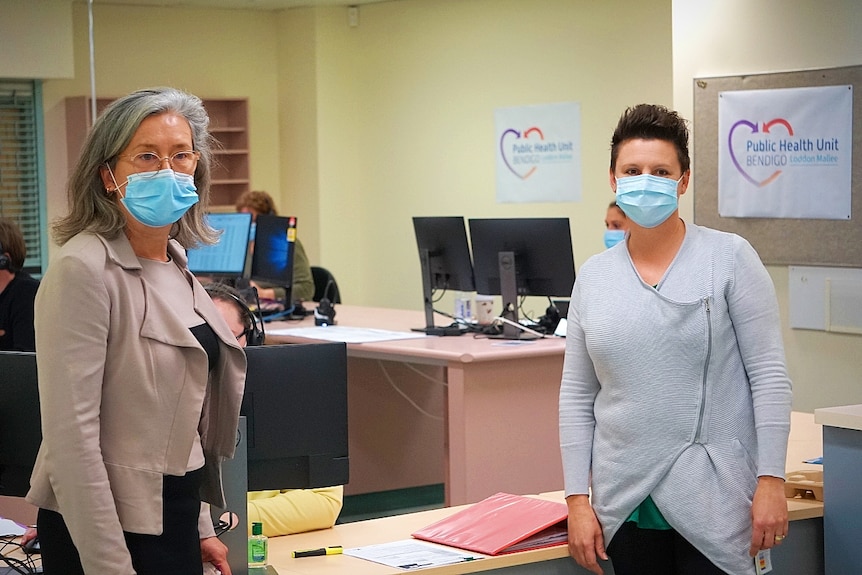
785, 153
538, 150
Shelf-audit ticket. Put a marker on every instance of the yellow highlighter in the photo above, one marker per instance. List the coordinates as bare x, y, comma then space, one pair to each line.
335, 550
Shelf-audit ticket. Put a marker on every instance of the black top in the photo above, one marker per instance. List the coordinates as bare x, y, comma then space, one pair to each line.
16, 314
209, 341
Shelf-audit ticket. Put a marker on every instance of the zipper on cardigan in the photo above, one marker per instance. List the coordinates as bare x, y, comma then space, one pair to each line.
705, 371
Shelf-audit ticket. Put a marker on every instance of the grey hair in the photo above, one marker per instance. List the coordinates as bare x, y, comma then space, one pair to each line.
92, 209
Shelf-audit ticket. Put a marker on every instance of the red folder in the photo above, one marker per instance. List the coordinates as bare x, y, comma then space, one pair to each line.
500, 524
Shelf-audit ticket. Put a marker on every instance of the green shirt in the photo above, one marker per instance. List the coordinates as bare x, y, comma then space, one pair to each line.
647, 516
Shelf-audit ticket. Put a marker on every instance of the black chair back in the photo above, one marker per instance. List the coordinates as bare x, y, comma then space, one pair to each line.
325, 285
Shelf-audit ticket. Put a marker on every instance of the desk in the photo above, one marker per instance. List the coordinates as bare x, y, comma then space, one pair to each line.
489, 424
842, 455
799, 555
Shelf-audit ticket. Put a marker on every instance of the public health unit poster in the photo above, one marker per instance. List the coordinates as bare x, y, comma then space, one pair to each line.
785, 153
538, 153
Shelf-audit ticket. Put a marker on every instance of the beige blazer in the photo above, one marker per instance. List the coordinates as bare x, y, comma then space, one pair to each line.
123, 387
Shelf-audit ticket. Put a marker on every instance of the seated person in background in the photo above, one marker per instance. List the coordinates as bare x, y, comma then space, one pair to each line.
616, 225
255, 203
17, 291
288, 510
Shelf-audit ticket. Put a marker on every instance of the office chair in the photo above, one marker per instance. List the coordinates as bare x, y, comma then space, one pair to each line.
325, 285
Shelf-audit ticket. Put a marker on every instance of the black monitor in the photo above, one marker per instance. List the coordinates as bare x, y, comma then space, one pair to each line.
272, 256
228, 256
20, 426
295, 404
444, 257
522, 257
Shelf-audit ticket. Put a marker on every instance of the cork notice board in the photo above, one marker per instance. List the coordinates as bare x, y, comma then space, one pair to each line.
778, 240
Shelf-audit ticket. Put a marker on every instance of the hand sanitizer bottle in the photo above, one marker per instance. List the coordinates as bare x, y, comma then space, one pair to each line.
257, 544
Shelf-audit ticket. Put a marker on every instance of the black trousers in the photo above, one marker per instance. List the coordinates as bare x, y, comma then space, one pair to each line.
176, 551
636, 551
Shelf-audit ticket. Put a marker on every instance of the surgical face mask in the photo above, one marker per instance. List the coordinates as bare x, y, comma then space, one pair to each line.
252, 231
648, 200
158, 199
613, 237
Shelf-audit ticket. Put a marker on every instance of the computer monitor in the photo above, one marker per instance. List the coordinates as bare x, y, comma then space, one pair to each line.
272, 256
295, 404
444, 257
20, 425
228, 256
520, 257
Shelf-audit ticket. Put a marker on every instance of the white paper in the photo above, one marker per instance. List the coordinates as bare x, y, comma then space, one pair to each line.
9, 527
346, 334
409, 554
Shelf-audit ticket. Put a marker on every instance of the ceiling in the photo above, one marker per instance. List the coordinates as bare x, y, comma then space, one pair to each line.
238, 4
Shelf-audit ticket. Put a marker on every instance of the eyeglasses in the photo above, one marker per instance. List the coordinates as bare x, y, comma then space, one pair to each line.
184, 161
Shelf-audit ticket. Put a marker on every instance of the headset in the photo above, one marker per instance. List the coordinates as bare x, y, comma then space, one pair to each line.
324, 313
255, 334
5, 261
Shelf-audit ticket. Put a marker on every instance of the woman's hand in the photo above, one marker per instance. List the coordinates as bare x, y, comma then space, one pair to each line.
215, 552
29, 535
586, 542
768, 514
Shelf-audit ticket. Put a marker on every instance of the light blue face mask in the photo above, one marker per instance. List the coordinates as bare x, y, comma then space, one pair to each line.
158, 199
646, 199
252, 231
613, 237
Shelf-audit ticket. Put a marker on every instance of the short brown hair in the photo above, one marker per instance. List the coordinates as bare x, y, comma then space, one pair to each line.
652, 122
12, 243
260, 202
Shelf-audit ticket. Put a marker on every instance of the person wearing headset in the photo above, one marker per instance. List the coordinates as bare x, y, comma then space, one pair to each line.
256, 203
285, 511
17, 291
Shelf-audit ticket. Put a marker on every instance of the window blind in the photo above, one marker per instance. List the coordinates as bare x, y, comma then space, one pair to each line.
22, 170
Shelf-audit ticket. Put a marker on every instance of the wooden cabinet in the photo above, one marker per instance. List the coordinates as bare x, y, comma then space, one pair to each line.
228, 125
230, 171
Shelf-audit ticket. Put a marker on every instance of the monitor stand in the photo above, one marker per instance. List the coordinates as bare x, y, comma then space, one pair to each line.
509, 292
430, 328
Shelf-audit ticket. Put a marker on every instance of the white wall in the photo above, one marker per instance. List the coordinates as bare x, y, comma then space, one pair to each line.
36, 39
730, 37
224, 54
405, 118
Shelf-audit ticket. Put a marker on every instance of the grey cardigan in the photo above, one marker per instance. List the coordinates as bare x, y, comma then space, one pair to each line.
680, 391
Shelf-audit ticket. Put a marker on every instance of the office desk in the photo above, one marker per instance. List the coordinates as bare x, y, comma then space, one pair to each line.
801, 554
481, 417
842, 453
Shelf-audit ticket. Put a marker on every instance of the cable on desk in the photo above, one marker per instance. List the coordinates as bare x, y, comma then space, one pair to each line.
26, 566
404, 395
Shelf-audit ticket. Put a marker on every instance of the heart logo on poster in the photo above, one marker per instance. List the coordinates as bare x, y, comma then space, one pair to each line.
757, 160
518, 153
